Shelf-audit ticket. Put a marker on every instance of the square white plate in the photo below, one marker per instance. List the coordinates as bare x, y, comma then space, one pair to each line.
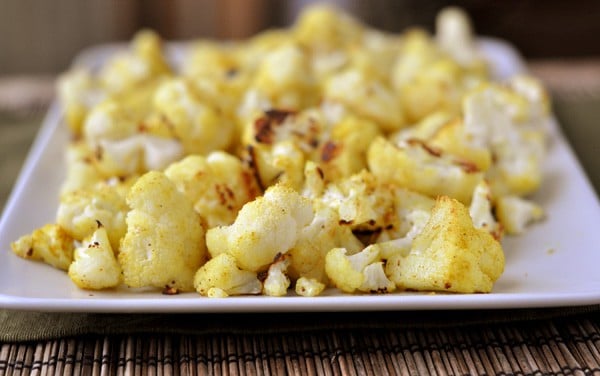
556, 263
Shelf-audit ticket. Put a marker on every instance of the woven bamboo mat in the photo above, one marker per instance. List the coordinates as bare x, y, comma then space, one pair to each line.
541, 347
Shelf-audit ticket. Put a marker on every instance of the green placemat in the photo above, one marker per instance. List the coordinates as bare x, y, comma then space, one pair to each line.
30, 326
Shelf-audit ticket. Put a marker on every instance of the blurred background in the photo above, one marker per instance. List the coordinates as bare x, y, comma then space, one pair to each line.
39, 39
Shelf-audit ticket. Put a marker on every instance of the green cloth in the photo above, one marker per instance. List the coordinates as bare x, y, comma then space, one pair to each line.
35, 326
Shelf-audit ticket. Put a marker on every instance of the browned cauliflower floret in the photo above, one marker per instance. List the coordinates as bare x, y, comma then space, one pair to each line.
221, 277
421, 168
164, 244
80, 212
360, 271
50, 244
218, 185
264, 228
450, 254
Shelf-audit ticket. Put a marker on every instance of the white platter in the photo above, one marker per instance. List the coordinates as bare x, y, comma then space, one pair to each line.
556, 263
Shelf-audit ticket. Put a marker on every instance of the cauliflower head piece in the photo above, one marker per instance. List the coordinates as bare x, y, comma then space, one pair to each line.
221, 277
263, 228
218, 185
50, 244
449, 254
94, 265
164, 244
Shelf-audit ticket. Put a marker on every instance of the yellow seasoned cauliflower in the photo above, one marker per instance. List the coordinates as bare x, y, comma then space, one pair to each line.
499, 118
218, 185
197, 122
143, 62
94, 265
78, 93
80, 212
367, 97
421, 168
454, 36
316, 239
361, 201
309, 287
221, 277
481, 210
285, 78
359, 271
281, 163
277, 281
345, 153
82, 167
164, 244
50, 244
449, 254
264, 228
515, 213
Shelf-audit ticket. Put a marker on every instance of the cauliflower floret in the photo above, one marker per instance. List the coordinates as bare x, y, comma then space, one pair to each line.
50, 244
367, 97
375, 280
318, 238
346, 272
481, 210
80, 212
264, 228
277, 281
164, 244
218, 185
95, 266
309, 287
221, 277
281, 163
450, 254
143, 62
78, 92
496, 117
515, 213
361, 202
454, 36
421, 168
345, 153
82, 168
197, 122
285, 78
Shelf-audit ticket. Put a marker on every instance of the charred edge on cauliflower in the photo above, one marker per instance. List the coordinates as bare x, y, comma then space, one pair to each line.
330, 150
467, 166
264, 125
254, 166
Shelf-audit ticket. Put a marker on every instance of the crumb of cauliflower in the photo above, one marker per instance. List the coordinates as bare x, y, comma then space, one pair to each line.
309, 287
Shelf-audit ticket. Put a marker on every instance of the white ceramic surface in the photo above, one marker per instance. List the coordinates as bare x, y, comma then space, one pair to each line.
556, 263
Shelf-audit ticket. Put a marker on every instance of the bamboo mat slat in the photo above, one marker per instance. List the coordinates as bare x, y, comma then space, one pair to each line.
559, 346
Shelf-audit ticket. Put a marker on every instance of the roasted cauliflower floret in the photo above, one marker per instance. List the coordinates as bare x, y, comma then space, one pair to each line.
277, 281
50, 244
143, 62
164, 244
199, 123
450, 254
218, 185
421, 168
360, 271
515, 213
78, 93
94, 265
264, 228
221, 277
318, 238
367, 97
80, 212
